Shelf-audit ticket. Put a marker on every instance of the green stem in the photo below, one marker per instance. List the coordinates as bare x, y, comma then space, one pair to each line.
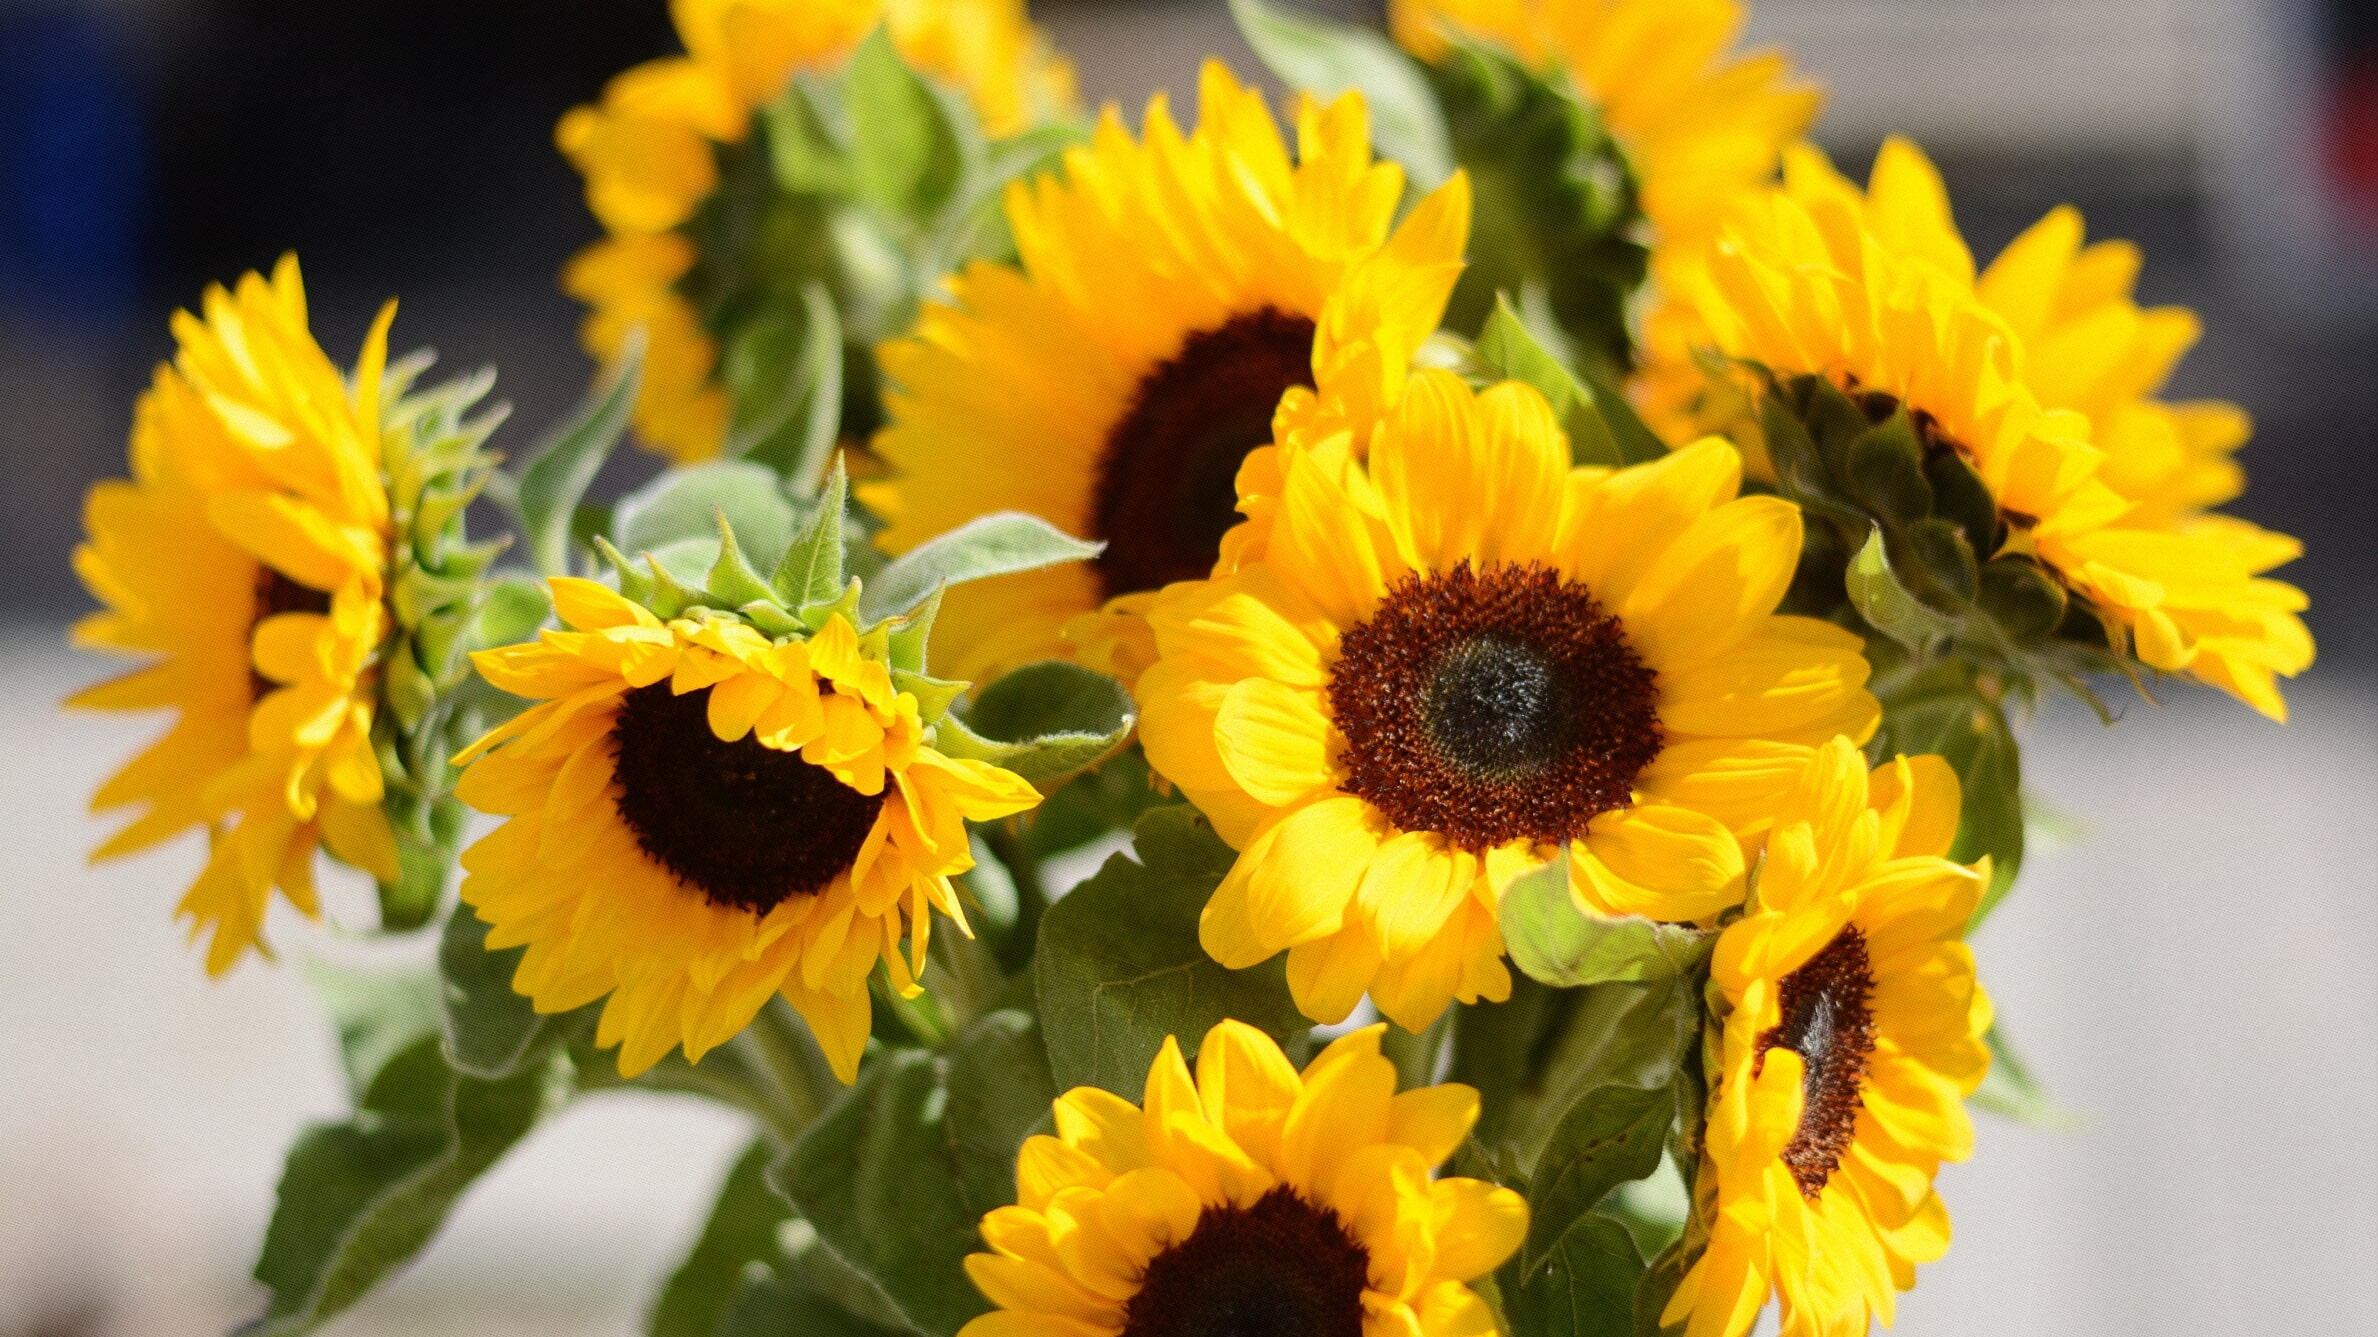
1032, 894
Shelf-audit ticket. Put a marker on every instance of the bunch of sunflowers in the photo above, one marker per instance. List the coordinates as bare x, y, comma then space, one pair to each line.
1521, 571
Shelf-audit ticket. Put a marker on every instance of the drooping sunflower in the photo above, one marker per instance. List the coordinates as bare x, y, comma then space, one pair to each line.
1875, 291
699, 817
1465, 658
1251, 1198
1853, 1035
247, 556
650, 153
1699, 126
1173, 289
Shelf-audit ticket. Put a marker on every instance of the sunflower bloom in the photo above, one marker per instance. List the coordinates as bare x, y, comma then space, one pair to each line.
1173, 289
1250, 1198
1853, 1035
650, 153
1465, 658
699, 817
247, 556
1700, 126
1875, 290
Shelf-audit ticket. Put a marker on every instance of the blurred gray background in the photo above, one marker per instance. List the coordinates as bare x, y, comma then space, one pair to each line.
2192, 963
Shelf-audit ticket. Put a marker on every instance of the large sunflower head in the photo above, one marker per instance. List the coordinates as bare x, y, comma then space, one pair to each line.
1464, 658
1852, 1035
700, 816
1695, 126
1173, 287
247, 557
1250, 1198
1866, 302
656, 150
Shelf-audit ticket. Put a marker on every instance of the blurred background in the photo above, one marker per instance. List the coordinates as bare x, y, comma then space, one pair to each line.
2192, 965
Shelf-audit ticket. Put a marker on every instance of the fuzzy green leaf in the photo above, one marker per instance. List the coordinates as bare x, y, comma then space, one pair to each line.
1607, 1137
990, 545
1553, 940
908, 150
770, 1306
489, 1026
1325, 58
685, 504
741, 1231
1047, 722
1583, 1287
1119, 965
558, 472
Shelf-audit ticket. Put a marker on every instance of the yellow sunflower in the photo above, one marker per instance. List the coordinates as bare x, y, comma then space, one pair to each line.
1875, 291
1465, 658
1700, 127
1853, 1035
247, 556
1251, 1198
699, 817
649, 153
1172, 289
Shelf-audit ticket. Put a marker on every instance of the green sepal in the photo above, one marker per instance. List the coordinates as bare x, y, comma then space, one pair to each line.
814, 568
1887, 604
1046, 722
1325, 58
1119, 965
910, 148
731, 576
1555, 941
990, 545
1884, 466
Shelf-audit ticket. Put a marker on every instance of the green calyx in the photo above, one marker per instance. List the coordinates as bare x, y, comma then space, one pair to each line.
1046, 722
436, 465
1906, 543
1559, 220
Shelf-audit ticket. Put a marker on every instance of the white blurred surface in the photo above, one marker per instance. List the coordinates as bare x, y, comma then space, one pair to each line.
2196, 977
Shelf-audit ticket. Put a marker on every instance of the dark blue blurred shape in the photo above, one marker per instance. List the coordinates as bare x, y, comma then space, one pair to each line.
71, 165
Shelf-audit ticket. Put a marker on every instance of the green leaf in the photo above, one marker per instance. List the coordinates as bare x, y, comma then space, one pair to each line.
1584, 1285
1888, 605
558, 472
1608, 1136
1510, 351
1120, 967
1325, 58
358, 1200
489, 1026
511, 612
1635, 1035
1943, 713
685, 504
1000, 1090
1637, 443
1047, 722
804, 156
1553, 940
789, 405
741, 1231
1885, 469
990, 545
875, 1176
770, 1306
908, 151
813, 567
378, 1014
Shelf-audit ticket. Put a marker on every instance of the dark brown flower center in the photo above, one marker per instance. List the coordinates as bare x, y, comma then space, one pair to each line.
1168, 481
742, 823
277, 594
1828, 1020
1280, 1268
1491, 706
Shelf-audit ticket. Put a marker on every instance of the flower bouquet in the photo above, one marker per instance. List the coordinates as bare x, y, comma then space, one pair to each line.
1383, 715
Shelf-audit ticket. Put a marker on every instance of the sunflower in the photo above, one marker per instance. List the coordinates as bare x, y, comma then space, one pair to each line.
1698, 126
1464, 658
247, 556
1251, 1198
650, 153
1875, 291
1852, 1037
1173, 288
699, 817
